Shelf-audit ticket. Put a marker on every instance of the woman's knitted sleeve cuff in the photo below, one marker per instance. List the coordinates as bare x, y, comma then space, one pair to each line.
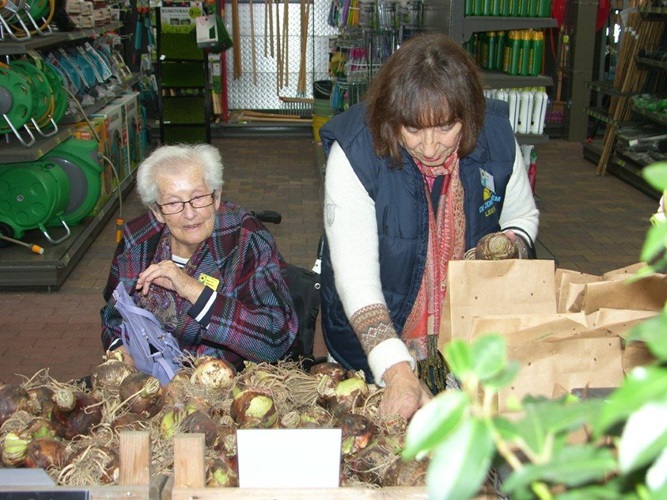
373, 325
379, 340
386, 355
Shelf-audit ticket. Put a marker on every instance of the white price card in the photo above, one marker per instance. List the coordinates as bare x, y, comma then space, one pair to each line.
289, 458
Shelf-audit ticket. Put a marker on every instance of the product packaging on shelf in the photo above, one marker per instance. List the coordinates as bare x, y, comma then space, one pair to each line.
135, 130
118, 149
99, 132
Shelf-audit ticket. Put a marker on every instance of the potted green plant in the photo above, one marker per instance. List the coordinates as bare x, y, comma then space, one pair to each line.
623, 453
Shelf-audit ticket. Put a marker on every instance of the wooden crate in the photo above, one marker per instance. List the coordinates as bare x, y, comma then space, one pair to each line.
189, 481
135, 481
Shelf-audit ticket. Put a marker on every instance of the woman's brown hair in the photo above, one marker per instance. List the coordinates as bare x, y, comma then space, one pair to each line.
430, 81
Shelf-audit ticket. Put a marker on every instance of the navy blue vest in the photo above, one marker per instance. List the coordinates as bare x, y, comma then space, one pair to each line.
401, 211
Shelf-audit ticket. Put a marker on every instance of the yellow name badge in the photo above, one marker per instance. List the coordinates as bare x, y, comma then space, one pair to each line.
209, 281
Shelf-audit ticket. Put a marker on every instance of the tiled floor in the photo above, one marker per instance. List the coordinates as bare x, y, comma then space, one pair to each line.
589, 223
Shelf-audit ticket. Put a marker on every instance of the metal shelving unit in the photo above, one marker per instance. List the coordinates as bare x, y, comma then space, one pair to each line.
12, 151
184, 96
19, 268
659, 118
623, 168
498, 80
448, 16
625, 162
476, 24
54, 39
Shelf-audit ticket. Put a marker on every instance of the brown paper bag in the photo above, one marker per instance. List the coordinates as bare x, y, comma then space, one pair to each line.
617, 321
568, 285
482, 288
555, 350
606, 316
620, 322
531, 327
647, 294
570, 363
623, 272
636, 354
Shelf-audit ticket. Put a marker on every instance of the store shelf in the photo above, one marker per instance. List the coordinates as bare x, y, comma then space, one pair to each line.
182, 65
11, 151
11, 46
602, 114
640, 160
531, 138
499, 80
651, 62
102, 102
660, 118
475, 24
257, 129
448, 16
20, 268
606, 87
627, 171
653, 11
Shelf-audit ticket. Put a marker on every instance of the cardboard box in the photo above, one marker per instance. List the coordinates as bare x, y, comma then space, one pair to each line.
135, 128
118, 148
108, 182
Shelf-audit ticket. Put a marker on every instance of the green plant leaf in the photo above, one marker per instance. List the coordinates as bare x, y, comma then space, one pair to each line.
643, 384
431, 424
653, 249
573, 466
656, 175
459, 358
644, 436
656, 475
506, 428
460, 464
661, 493
504, 377
543, 416
652, 331
489, 356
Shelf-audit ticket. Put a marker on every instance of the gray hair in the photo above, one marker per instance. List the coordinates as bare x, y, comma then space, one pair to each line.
176, 157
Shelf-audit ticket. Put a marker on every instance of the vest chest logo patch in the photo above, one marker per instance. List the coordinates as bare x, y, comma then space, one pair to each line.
489, 195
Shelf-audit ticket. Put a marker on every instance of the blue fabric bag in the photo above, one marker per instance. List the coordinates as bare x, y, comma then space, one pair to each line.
155, 351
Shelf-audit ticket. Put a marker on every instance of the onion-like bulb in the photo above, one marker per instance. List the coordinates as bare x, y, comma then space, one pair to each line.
14, 449
109, 375
44, 453
213, 373
496, 246
75, 413
254, 408
64, 399
357, 431
143, 393
13, 398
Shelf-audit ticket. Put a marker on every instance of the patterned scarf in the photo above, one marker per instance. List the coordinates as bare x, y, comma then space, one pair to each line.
446, 241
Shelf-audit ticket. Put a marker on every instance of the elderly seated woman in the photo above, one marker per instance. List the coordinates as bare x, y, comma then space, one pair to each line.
208, 270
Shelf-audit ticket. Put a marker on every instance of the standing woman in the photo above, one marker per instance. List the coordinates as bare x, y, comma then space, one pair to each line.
416, 174
208, 270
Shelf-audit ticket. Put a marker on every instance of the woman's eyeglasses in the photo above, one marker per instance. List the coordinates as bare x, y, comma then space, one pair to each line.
174, 207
